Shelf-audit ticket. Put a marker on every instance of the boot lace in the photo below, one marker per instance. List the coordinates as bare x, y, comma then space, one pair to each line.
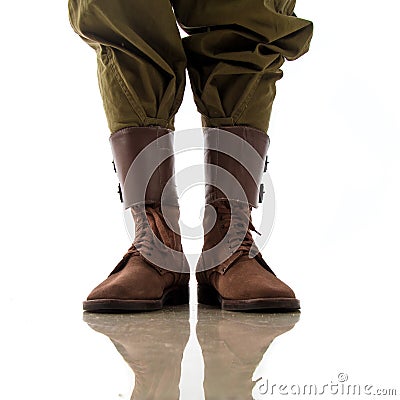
149, 223
237, 217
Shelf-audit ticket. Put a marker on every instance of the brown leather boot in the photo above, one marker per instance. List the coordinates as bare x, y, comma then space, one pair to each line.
154, 271
231, 271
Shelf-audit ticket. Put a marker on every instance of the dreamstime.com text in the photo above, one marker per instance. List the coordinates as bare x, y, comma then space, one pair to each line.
338, 387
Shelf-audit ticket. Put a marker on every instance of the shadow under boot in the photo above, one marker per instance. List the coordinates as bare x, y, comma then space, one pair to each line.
233, 344
151, 344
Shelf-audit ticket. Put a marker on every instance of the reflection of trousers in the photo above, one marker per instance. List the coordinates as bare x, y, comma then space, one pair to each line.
233, 52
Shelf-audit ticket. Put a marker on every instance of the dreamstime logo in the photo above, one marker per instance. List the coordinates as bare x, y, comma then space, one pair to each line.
153, 155
341, 386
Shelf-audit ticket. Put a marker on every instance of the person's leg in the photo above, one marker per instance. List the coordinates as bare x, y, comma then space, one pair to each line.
141, 71
234, 50
141, 61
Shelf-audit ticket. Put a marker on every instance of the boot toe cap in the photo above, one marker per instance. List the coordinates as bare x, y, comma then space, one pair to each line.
247, 279
134, 282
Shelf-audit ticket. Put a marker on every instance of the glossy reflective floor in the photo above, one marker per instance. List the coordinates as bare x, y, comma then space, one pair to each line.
190, 352
154, 344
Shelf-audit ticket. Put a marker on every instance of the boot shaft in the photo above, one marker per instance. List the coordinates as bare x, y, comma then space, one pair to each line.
144, 162
234, 158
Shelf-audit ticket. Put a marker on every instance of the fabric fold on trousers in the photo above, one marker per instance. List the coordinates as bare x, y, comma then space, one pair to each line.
141, 61
233, 52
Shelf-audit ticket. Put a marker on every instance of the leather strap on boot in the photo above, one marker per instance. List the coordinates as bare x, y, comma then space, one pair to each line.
235, 159
144, 162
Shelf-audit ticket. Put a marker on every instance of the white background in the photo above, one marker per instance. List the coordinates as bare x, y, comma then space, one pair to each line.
334, 160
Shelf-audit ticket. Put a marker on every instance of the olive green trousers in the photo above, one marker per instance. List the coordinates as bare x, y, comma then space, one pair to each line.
233, 52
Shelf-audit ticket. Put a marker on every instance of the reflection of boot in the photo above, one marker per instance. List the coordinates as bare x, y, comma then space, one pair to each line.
233, 344
231, 271
151, 344
154, 270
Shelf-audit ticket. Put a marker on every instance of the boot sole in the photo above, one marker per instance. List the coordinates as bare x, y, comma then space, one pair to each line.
209, 296
173, 296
